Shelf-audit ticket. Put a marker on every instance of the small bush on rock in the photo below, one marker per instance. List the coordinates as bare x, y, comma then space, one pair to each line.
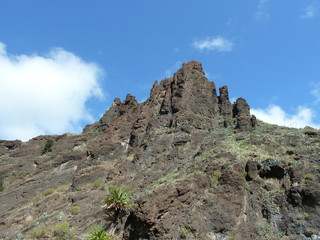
48, 147
215, 178
99, 233
119, 199
58, 231
1, 183
310, 176
75, 210
48, 192
98, 184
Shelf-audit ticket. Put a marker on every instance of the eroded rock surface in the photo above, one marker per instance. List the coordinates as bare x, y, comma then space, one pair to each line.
199, 168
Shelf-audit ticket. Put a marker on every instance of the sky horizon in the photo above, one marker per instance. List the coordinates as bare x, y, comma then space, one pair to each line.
63, 63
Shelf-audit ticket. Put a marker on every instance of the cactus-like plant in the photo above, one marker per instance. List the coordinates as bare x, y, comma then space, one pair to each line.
119, 199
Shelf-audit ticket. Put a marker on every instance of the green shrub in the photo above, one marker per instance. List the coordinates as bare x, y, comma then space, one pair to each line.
75, 210
119, 199
245, 173
48, 147
62, 231
310, 176
48, 192
217, 149
217, 173
198, 172
99, 233
1, 183
38, 233
98, 184
215, 178
59, 231
263, 229
184, 231
267, 231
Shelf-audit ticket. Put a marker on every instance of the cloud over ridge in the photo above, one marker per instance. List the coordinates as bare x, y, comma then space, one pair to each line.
310, 12
218, 44
45, 94
276, 115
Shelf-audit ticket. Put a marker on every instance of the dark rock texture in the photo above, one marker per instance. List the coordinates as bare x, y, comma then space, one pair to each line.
225, 106
199, 168
241, 111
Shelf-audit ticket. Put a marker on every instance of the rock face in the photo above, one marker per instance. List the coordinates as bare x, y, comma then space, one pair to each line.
241, 111
198, 166
188, 100
225, 106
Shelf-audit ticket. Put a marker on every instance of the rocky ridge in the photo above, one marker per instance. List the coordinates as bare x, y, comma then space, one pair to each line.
200, 167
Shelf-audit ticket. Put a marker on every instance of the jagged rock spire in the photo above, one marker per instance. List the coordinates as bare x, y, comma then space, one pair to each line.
241, 112
185, 101
225, 106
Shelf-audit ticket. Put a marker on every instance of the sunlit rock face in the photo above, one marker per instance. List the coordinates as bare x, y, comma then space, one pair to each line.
194, 165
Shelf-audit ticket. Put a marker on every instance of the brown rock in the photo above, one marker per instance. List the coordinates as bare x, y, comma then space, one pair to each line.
225, 106
241, 111
252, 170
170, 151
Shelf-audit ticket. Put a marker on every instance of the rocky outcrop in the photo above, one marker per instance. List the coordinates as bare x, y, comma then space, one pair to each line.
6, 146
185, 101
225, 106
241, 112
117, 109
195, 169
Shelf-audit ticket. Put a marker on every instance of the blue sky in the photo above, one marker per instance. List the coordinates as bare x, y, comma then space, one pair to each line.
63, 62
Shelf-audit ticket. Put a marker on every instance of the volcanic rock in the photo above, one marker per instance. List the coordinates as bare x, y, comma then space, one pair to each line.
225, 106
194, 165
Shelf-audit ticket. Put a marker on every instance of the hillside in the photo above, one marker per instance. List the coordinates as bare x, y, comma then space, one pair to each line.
194, 166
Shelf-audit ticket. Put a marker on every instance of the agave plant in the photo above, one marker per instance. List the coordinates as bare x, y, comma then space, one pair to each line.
119, 199
99, 233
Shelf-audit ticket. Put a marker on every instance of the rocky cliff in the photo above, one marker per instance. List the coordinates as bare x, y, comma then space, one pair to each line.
196, 165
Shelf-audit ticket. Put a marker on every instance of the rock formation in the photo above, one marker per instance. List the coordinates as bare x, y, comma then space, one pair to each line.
225, 106
241, 111
198, 167
188, 100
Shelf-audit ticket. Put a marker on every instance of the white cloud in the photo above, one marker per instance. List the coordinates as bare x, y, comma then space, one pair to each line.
261, 13
45, 94
316, 91
262, 3
218, 44
276, 115
309, 12
2, 48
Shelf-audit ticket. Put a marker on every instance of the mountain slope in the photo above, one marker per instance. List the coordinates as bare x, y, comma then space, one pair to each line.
199, 167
